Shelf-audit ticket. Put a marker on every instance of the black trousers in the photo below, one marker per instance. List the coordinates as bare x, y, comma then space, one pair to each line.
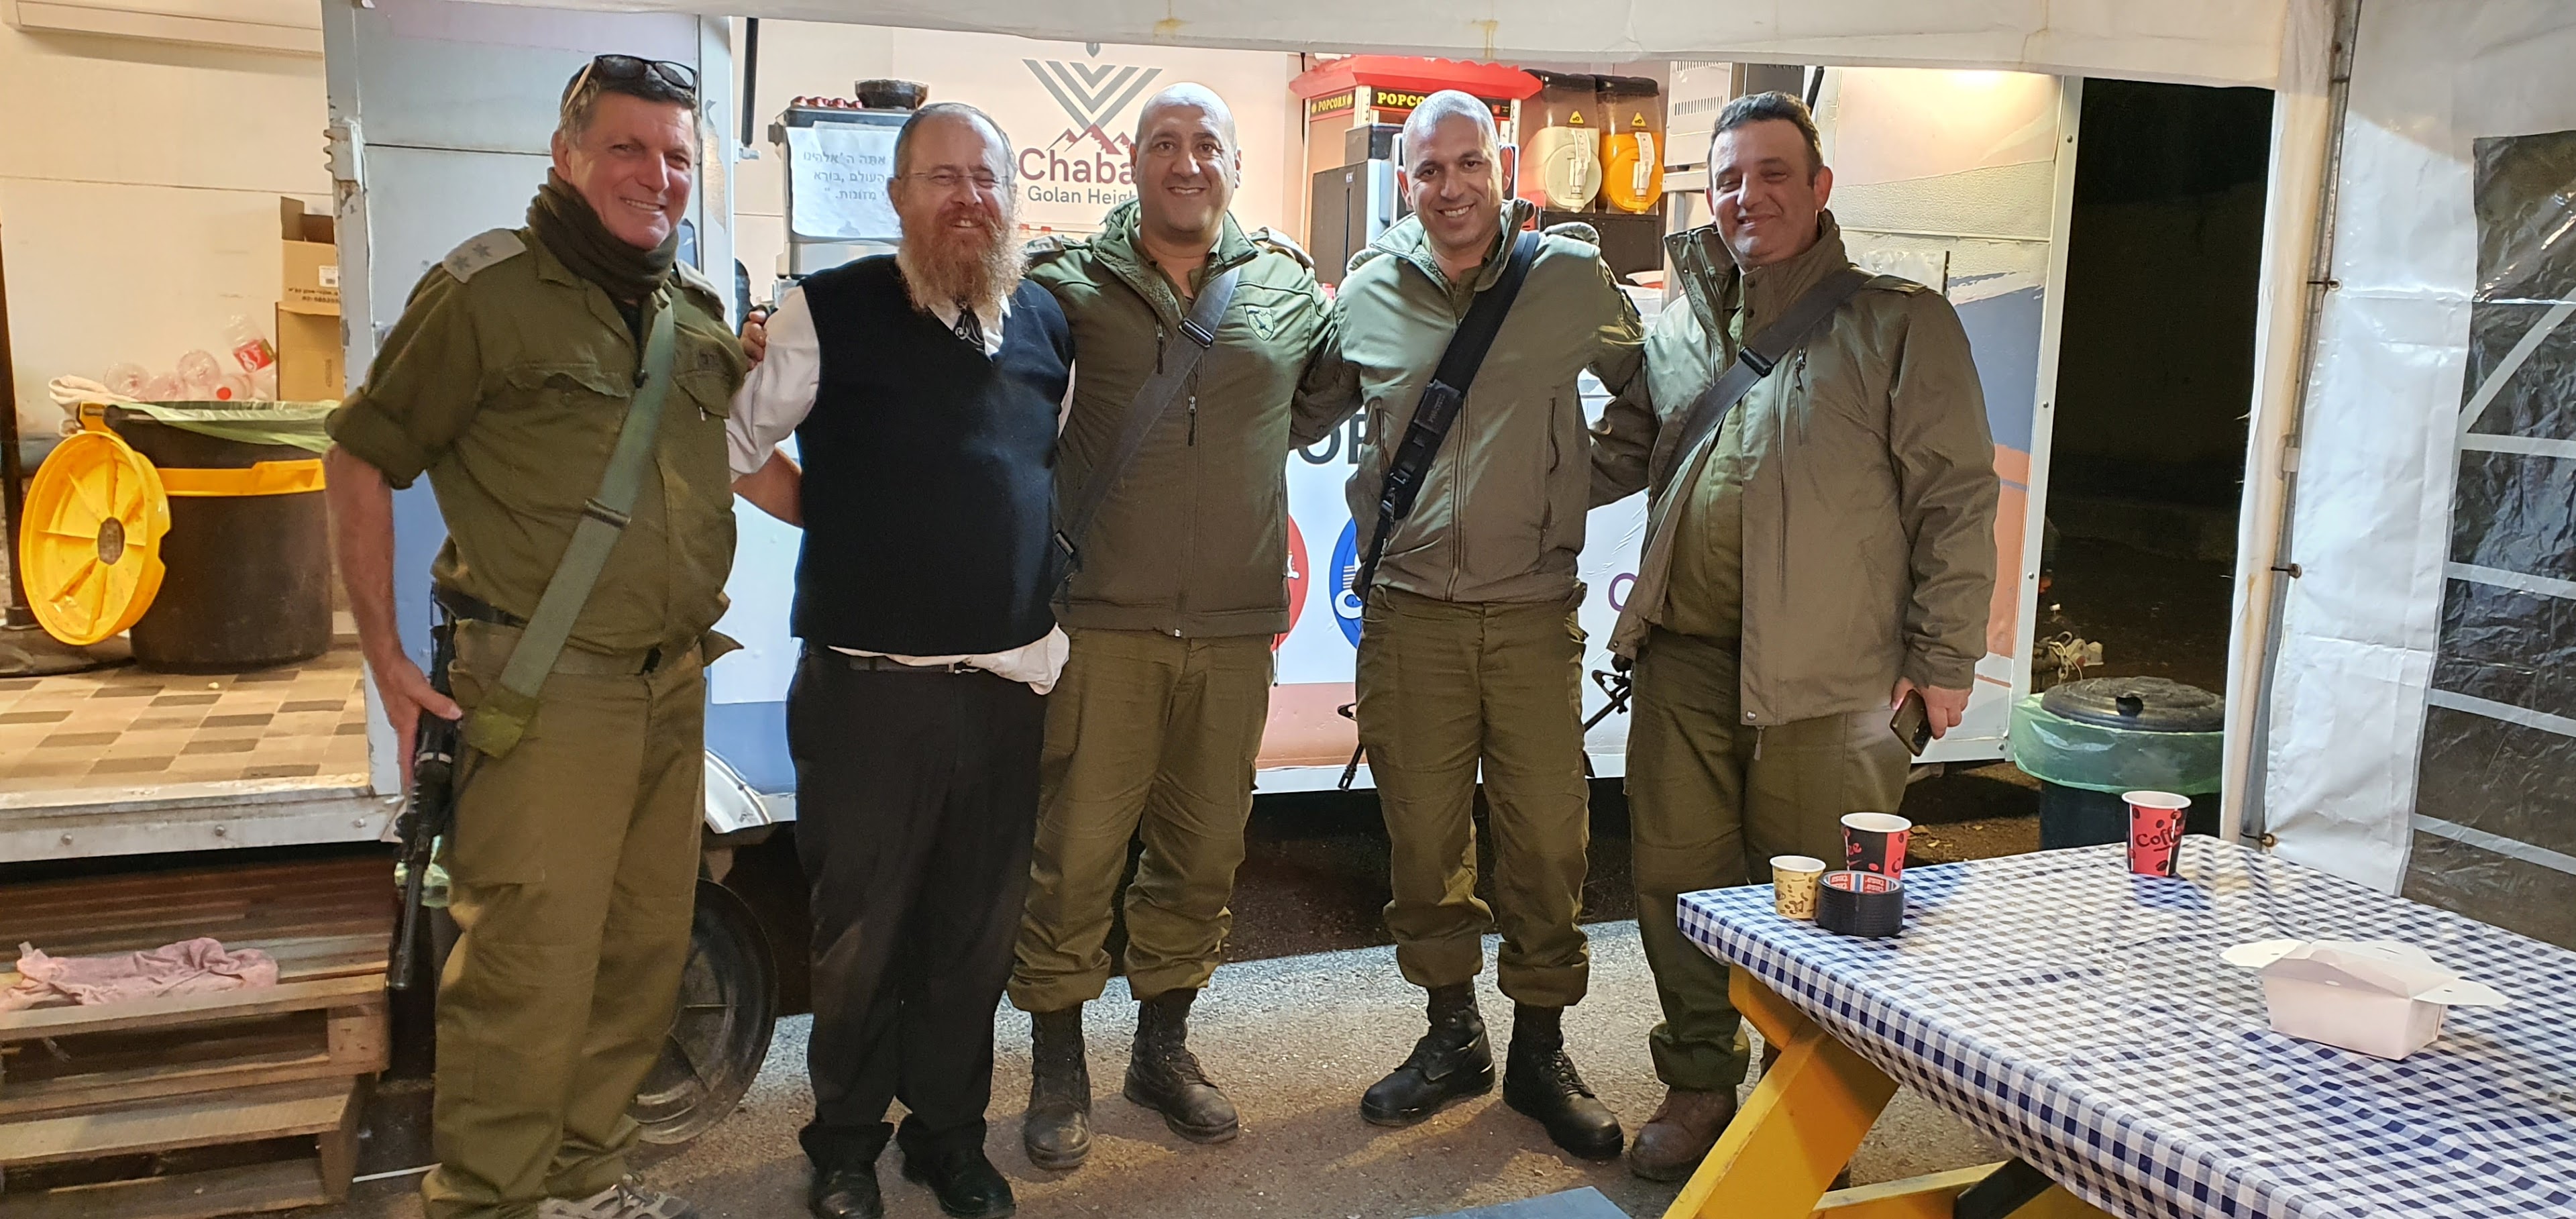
916, 804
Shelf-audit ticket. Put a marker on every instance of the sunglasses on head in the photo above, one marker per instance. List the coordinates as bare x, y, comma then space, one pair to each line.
627, 68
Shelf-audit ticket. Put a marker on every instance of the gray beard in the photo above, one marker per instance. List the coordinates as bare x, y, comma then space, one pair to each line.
983, 280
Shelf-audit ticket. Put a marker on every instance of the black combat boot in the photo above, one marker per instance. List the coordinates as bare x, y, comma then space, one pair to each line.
1057, 1131
1540, 1081
1164, 1076
1451, 1061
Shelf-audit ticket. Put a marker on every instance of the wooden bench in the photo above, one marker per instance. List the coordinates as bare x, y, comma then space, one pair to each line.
198, 1105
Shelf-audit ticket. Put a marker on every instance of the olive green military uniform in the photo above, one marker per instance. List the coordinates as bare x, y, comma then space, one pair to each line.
1838, 534
1470, 654
1156, 723
574, 858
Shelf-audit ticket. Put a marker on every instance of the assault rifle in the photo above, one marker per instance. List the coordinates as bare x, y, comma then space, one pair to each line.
430, 811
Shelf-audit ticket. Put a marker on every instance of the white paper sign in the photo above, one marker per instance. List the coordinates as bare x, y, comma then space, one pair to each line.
839, 191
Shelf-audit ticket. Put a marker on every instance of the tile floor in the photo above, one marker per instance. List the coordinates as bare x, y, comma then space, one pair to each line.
127, 727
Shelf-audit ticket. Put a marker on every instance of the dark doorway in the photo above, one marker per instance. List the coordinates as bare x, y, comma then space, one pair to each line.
2155, 376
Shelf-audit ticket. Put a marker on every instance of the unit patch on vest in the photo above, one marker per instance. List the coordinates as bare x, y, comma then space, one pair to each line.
499, 245
1262, 321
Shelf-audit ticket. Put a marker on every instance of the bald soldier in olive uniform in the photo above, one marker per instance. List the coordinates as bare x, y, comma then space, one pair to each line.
1155, 729
573, 859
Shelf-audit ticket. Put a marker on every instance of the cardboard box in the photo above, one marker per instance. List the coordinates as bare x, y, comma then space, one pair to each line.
2375, 997
312, 261
311, 365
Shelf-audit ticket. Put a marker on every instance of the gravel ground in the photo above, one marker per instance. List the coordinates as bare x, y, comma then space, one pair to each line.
1293, 1041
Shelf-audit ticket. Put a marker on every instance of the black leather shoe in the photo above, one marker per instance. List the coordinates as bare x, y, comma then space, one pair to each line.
1162, 1074
968, 1185
1541, 1082
1056, 1132
845, 1193
1451, 1061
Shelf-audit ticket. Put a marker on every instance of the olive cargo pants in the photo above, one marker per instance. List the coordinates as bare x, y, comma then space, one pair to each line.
572, 877
1709, 803
1145, 733
1445, 687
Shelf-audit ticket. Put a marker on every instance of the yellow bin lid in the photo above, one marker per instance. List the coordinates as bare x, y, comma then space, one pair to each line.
90, 548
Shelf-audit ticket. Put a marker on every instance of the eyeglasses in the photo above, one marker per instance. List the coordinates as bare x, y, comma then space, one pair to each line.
951, 180
676, 77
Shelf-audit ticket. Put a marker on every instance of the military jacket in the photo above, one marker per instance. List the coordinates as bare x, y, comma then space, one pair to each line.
1192, 541
1501, 512
506, 381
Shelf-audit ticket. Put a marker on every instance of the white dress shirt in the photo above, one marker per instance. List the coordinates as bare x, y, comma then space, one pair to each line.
778, 395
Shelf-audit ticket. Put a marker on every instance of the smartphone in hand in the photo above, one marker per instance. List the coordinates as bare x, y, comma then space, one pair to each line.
1913, 723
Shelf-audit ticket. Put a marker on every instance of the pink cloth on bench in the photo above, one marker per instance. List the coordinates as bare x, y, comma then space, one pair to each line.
190, 967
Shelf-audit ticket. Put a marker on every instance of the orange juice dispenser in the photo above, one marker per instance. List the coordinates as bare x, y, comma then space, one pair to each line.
1632, 143
1561, 164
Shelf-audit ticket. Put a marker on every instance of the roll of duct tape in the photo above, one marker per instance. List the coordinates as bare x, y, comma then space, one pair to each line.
1860, 903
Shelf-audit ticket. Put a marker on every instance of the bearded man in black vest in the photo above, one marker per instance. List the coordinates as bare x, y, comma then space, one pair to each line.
922, 389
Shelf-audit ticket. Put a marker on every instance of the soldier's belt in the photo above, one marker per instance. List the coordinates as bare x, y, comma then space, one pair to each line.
573, 660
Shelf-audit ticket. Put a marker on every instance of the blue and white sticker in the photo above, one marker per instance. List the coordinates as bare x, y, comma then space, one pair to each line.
1346, 568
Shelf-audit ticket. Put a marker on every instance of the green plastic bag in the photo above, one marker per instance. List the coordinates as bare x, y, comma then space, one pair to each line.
2058, 750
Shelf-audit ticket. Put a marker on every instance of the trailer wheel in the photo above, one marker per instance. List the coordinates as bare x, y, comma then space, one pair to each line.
720, 1031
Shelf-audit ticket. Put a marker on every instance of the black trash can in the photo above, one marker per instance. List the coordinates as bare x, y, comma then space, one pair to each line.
249, 572
2088, 741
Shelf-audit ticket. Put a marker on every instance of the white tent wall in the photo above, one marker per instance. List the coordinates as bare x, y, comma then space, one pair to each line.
2211, 42
2381, 436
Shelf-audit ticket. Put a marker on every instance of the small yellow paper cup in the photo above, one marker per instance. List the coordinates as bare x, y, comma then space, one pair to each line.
1793, 885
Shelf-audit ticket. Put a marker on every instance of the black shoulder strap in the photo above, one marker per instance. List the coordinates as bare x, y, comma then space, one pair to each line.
1152, 400
1764, 351
1753, 361
1438, 407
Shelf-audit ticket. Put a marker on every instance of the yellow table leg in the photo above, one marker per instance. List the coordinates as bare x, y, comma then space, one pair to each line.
1926, 1197
2057, 1204
1806, 1118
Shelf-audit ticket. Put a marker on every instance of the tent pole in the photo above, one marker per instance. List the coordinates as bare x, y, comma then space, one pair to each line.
2298, 255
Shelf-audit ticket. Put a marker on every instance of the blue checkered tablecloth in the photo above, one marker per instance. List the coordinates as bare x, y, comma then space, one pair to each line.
2080, 1016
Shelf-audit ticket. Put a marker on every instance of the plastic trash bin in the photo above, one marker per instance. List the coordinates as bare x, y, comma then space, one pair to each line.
2089, 741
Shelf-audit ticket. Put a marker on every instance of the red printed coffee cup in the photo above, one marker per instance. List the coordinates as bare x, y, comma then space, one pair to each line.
1875, 842
2155, 831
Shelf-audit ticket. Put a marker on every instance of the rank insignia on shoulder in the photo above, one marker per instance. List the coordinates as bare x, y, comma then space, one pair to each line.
469, 259
1577, 230
1271, 239
695, 278
1045, 246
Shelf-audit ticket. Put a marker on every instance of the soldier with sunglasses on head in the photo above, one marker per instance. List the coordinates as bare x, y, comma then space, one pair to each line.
518, 363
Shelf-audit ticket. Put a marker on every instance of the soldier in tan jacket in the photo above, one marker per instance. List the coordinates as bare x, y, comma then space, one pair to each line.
1470, 664
1832, 551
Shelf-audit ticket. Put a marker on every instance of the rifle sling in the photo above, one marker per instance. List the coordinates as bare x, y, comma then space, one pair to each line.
496, 726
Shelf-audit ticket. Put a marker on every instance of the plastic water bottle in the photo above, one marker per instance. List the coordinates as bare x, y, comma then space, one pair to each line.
250, 346
236, 388
203, 377
126, 379
164, 387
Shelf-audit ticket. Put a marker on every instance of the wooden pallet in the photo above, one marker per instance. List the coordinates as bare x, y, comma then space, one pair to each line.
224, 1103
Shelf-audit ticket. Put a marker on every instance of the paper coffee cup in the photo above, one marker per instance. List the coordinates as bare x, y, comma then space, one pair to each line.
1793, 885
1875, 842
2155, 831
